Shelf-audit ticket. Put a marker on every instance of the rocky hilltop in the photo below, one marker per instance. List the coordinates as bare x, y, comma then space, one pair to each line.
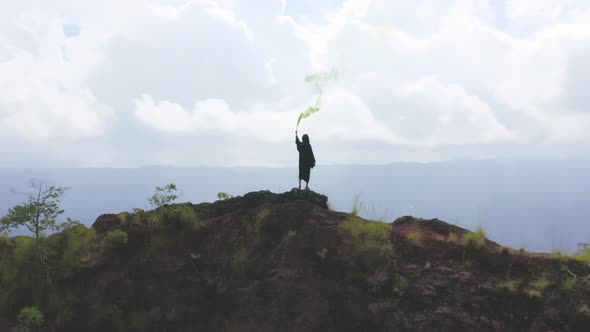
286, 262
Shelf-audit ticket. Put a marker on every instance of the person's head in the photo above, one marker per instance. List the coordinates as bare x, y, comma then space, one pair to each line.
305, 139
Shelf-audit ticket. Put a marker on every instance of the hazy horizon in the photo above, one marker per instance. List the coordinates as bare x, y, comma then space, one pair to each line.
540, 205
285, 166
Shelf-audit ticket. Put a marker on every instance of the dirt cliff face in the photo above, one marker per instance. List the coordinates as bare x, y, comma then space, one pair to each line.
285, 262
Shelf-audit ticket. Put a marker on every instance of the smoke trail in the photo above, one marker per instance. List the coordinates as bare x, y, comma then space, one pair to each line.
317, 79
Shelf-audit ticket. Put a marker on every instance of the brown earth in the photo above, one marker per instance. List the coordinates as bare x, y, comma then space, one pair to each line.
283, 262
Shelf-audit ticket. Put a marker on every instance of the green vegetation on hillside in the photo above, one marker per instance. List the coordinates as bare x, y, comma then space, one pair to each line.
115, 239
476, 239
510, 285
584, 253
370, 238
30, 266
132, 270
569, 283
415, 238
179, 217
223, 196
453, 238
540, 284
30, 318
165, 215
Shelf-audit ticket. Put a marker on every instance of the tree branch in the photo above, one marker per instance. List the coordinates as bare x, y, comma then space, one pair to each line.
13, 191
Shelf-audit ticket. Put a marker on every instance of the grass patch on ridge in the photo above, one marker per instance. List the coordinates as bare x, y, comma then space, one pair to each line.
370, 238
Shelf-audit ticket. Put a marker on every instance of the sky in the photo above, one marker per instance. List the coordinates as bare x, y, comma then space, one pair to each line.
221, 83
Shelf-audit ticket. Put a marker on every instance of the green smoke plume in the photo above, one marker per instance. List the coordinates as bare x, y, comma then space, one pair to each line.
317, 79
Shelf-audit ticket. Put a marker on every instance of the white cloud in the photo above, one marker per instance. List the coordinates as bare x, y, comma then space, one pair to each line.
426, 77
44, 91
211, 116
530, 15
449, 115
165, 116
212, 8
342, 117
519, 77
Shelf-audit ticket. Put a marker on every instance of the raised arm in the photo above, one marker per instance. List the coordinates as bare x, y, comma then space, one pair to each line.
297, 141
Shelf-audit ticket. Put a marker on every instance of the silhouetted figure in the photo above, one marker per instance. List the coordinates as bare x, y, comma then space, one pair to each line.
306, 159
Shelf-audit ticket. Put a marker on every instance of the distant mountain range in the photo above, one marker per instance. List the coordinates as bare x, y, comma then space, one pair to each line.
538, 204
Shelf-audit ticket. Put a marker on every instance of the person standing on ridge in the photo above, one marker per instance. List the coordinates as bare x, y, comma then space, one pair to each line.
306, 159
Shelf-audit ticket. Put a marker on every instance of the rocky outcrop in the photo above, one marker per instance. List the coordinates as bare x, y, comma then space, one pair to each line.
284, 262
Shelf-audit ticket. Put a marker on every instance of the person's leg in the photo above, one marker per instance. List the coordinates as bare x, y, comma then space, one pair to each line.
299, 183
307, 184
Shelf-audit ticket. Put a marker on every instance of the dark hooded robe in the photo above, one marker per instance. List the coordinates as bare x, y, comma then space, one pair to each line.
306, 157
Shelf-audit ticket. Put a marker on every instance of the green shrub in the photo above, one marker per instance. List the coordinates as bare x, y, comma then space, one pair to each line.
476, 239
139, 214
533, 293
16, 269
73, 244
510, 285
173, 217
4, 239
439, 237
540, 284
560, 253
154, 219
583, 256
69, 223
8, 270
115, 239
584, 253
262, 215
240, 260
163, 196
223, 196
371, 239
569, 284
453, 238
415, 238
538, 287
180, 217
13, 263
30, 318
260, 224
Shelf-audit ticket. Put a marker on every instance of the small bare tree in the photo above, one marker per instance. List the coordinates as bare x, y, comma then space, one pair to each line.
39, 212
